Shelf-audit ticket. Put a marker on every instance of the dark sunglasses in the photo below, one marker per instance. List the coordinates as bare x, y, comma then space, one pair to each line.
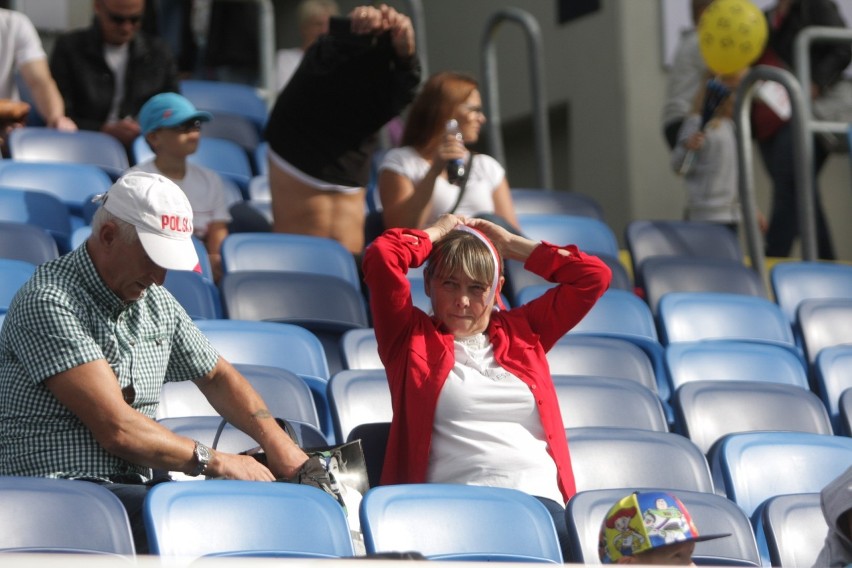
118, 19
188, 126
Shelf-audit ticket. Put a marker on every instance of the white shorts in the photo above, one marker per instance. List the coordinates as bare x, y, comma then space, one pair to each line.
306, 179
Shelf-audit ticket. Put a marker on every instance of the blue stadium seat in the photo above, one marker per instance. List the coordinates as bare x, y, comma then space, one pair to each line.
251, 518
793, 282
522, 285
833, 376
459, 522
62, 516
40, 144
37, 208
698, 316
226, 97
25, 242
13, 275
751, 467
624, 458
198, 295
712, 514
708, 410
259, 158
291, 253
592, 401
358, 397
234, 127
360, 350
793, 528
530, 200
824, 322
590, 235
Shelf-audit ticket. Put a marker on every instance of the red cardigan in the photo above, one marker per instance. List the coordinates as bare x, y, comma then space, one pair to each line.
418, 353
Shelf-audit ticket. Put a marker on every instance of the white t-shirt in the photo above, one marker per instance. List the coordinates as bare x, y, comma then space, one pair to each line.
485, 176
487, 429
205, 191
19, 44
116, 57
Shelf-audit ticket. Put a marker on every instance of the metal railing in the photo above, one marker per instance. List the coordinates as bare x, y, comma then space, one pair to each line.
490, 90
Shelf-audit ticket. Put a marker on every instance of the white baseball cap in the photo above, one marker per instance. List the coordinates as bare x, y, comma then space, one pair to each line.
161, 214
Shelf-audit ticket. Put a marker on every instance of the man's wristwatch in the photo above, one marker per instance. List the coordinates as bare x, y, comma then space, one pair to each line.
203, 455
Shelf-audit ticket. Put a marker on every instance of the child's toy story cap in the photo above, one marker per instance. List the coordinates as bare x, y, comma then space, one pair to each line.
643, 521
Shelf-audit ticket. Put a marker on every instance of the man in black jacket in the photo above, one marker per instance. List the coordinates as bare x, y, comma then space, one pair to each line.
107, 71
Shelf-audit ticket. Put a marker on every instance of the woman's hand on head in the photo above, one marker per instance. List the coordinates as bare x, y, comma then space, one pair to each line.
445, 223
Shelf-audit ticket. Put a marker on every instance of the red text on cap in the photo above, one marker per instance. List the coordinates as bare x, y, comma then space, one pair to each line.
176, 223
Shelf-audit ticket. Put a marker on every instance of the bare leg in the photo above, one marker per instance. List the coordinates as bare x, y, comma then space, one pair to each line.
301, 209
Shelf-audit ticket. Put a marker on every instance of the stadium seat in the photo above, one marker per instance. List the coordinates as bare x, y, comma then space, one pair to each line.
649, 238
459, 522
40, 209
751, 467
619, 312
359, 349
62, 516
708, 410
845, 412
73, 184
358, 397
712, 514
25, 242
623, 458
233, 127
198, 295
833, 375
793, 528
13, 275
251, 518
795, 281
40, 144
259, 157
590, 401
663, 274
289, 253
537, 201
285, 394
698, 316
824, 322
281, 345
730, 360
592, 236
226, 97
523, 285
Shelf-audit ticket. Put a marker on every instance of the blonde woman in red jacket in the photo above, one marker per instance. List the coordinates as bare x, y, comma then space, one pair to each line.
472, 394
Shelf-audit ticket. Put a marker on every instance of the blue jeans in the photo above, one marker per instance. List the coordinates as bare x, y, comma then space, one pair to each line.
557, 511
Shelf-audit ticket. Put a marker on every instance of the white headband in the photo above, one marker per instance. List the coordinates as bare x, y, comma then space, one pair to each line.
498, 305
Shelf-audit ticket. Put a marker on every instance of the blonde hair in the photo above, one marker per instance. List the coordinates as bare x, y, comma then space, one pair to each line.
460, 251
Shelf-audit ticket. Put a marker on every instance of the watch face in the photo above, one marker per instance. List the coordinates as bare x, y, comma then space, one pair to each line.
203, 453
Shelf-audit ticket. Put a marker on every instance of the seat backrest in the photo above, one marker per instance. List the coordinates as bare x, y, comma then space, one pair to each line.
730, 360
13, 275
73, 184
620, 312
285, 394
358, 397
198, 296
522, 285
30, 243
590, 235
844, 418
360, 350
647, 238
591, 355
223, 96
824, 322
291, 253
795, 281
536, 201
315, 301
37, 208
189, 520
234, 127
454, 521
40, 144
281, 345
612, 458
663, 274
712, 514
833, 375
708, 410
61, 515
794, 528
606, 401
695, 316
751, 467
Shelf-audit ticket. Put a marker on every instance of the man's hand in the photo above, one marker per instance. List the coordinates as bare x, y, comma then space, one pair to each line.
125, 130
231, 466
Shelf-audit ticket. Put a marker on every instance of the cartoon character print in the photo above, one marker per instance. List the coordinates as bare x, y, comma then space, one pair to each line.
628, 540
666, 521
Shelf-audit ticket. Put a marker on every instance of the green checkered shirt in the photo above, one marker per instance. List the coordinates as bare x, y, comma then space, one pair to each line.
66, 316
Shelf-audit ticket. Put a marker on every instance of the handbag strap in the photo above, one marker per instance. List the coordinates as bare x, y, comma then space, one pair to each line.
463, 184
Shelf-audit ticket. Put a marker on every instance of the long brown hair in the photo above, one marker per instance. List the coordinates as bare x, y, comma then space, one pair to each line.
434, 106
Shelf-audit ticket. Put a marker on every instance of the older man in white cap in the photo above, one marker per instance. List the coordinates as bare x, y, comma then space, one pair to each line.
87, 344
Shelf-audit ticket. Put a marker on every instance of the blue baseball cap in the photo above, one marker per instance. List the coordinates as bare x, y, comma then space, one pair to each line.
167, 110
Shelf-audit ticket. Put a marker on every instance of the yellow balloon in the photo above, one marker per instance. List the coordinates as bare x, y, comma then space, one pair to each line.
731, 35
